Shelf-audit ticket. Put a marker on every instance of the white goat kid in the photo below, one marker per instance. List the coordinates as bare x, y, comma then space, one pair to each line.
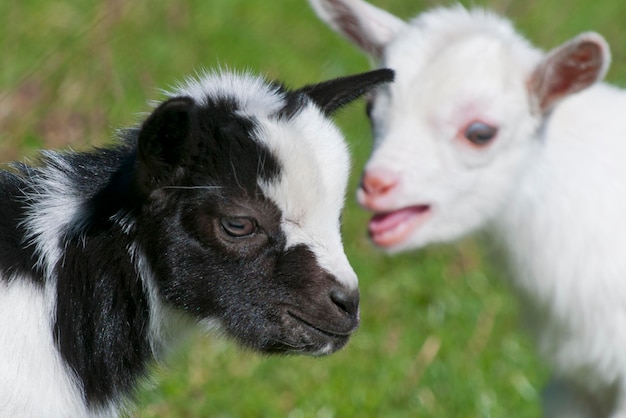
483, 131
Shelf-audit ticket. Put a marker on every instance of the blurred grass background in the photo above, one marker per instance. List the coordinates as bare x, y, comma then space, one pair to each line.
439, 334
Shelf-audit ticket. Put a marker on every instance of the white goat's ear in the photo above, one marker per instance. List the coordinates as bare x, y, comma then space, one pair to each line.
569, 68
369, 27
331, 95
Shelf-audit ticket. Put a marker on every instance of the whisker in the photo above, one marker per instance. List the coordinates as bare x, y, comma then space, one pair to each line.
192, 187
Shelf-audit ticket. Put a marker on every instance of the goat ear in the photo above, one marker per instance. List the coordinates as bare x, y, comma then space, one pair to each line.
162, 138
367, 26
331, 95
569, 68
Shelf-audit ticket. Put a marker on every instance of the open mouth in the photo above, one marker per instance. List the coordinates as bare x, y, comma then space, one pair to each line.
388, 229
326, 332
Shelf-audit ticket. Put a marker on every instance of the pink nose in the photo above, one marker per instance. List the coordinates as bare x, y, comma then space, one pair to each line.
377, 183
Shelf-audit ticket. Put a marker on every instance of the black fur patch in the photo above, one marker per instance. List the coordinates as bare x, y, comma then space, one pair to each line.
224, 149
17, 258
102, 316
334, 94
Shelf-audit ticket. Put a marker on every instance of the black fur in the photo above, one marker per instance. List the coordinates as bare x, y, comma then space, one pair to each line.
332, 95
17, 258
102, 316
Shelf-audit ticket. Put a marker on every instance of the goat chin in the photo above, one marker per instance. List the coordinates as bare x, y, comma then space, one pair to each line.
493, 134
221, 208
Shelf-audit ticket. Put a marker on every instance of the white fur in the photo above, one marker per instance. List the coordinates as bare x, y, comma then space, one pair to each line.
52, 206
550, 190
254, 95
39, 383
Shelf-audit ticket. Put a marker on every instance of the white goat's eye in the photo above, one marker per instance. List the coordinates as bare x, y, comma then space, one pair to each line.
238, 227
479, 133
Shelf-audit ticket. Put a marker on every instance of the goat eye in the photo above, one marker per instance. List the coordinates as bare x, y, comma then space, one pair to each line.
480, 133
238, 227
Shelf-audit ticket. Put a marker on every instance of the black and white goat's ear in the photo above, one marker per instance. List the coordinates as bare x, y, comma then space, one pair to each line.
162, 139
367, 26
569, 68
331, 95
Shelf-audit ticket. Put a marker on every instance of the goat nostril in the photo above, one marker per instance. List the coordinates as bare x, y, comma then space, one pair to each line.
378, 183
346, 300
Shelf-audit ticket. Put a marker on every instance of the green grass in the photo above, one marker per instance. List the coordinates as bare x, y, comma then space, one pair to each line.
439, 334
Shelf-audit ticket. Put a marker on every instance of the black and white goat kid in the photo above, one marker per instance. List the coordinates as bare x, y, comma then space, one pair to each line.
222, 209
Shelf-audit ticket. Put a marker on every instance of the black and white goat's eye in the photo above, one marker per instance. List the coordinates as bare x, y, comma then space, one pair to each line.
238, 227
480, 133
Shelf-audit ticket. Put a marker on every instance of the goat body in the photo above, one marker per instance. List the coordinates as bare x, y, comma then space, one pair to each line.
481, 130
221, 209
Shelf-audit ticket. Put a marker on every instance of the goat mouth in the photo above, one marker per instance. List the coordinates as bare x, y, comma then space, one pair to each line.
340, 335
387, 229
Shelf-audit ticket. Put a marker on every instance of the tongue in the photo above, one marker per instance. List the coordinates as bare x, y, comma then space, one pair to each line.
386, 221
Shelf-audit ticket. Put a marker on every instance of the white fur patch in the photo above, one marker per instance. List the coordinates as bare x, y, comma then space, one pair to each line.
253, 94
311, 190
52, 206
35, 381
